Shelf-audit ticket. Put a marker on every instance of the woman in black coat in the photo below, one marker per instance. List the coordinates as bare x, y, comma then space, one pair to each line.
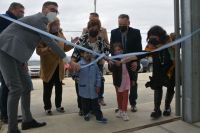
163, 70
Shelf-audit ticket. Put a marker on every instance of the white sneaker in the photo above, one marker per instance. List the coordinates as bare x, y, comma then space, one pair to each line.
119, 114
125, 116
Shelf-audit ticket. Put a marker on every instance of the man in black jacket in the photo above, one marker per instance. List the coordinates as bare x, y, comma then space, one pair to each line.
15, 11
131, 40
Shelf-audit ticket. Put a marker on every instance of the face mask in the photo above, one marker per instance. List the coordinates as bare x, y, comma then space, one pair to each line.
153, 41
93, 33
123, 28
54, 29
20, 16
51, 16
118, 53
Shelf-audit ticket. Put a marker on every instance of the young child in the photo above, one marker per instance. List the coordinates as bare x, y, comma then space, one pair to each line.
89, 86
121, 82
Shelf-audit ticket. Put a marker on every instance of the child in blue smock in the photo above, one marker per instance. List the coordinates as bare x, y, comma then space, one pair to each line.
89, 84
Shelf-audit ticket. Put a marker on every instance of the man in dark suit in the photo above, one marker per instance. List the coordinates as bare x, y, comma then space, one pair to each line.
131, 40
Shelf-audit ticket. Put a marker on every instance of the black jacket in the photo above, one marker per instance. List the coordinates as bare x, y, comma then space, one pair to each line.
161, 65
4, 23
133, 43
116, 74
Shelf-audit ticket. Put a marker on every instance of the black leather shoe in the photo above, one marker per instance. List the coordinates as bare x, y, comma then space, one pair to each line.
156, 114
16, 131
87, 117
32, 124
167, 112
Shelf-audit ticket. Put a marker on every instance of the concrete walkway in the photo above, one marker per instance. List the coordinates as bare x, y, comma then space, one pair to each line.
140, 122
71, 122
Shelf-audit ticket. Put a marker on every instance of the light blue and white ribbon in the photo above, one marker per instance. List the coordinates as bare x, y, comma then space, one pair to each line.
95, 53
96, 60
177, 41
49, 35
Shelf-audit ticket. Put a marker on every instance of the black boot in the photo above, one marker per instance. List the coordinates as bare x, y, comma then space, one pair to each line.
167, 111
156, 114
168, 100
157, 102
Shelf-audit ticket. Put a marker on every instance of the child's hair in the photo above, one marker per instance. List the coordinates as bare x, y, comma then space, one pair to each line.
117, 44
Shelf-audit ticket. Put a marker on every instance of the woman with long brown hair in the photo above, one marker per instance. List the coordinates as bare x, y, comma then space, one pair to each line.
163, 73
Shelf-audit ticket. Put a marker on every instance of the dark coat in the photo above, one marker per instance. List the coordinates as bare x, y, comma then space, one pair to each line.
116, 74
161, 64
4, 23
133, 44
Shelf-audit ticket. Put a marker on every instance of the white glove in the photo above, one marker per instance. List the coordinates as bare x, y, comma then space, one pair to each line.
65, 60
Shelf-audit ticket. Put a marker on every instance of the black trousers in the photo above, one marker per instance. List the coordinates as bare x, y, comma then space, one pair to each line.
3, 98
78, 96
158, 97
133, 95
47, 91
88, 103
101, 93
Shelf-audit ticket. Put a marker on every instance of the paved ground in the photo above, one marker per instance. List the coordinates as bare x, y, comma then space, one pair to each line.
70, 122
145, 95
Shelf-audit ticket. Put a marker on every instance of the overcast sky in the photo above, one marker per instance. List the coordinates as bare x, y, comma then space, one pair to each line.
74, 13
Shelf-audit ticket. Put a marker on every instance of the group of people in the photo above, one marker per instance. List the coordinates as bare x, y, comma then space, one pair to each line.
95, 38
16, 50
